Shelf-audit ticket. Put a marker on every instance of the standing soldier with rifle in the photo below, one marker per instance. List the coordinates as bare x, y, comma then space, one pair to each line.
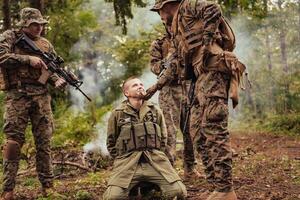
205, 41
27, 98
170, 100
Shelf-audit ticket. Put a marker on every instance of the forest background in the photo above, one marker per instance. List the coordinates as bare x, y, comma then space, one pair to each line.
106, 41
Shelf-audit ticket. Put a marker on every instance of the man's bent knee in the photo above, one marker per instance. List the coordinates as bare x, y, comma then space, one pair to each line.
11, 150
178, 190
115, 193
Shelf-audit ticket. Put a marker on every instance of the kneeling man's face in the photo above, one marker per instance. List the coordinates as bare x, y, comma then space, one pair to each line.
134, 88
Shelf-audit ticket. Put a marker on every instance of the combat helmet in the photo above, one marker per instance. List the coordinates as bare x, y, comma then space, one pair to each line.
160, 3
29, 16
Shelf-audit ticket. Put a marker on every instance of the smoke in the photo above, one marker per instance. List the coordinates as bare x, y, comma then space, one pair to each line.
245, 43
99, 143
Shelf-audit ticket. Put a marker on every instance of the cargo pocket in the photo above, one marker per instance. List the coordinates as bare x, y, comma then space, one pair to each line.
153, 135
217, 110
140, 135
124, 143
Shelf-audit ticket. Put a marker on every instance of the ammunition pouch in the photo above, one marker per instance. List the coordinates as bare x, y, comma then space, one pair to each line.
11, 150
227, 63
137, 137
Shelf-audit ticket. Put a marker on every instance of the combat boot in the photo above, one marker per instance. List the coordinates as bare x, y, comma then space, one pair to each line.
222, 196
7, 195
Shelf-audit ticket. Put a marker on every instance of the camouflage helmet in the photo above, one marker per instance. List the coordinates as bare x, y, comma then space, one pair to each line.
160, 3
29, 16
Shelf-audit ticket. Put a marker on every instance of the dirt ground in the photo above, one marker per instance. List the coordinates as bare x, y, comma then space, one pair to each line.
266, 167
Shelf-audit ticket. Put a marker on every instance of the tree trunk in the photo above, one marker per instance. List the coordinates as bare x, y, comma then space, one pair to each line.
39, 4
282, 36
269, 53
6, 15
284, 63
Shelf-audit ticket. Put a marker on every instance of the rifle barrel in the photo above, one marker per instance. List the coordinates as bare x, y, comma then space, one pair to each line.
86, 96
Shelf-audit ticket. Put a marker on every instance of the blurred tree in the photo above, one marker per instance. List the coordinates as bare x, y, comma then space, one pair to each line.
123, 11
6, 14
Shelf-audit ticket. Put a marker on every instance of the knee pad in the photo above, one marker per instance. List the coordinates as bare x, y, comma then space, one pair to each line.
11, 150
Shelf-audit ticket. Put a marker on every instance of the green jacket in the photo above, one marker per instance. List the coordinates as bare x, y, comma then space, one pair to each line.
125, 165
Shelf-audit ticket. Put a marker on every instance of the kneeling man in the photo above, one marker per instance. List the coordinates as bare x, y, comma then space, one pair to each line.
136, 139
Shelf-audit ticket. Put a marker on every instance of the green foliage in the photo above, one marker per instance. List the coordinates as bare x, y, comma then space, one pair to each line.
288, 123
76, 128
123, 11
68, 23
55, 196
83, 195
134, 53
273, 41
31, 182
93, 179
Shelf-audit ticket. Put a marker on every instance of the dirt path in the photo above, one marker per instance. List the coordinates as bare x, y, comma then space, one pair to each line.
267, 167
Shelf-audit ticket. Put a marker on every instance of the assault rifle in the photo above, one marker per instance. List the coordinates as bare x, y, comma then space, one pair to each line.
186, 108
53, 63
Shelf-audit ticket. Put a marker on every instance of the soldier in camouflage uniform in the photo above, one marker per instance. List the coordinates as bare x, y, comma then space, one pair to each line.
26, 99
170, 100
205, 41
137, 140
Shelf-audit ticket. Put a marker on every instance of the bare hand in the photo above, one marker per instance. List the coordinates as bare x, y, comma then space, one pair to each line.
37, 62
60, 83
150, 92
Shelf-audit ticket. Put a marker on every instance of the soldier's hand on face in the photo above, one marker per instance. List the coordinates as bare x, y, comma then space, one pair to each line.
37, 62
60, 83
150, 92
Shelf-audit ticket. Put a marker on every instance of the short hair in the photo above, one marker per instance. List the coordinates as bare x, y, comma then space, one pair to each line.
124, 82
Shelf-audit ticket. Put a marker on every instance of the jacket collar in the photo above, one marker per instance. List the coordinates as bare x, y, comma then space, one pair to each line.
128, 109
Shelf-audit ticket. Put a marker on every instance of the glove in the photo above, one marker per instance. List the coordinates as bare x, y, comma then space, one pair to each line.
150, 92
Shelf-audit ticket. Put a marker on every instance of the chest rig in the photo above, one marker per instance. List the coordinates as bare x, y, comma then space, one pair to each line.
25, 74
138, 134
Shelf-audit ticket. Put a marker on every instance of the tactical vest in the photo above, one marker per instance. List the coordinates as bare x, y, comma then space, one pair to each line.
137, 136
13, 77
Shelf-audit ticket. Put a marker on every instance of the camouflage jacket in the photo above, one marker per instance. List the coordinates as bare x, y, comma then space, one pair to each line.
159, 52
16, 63
125, 165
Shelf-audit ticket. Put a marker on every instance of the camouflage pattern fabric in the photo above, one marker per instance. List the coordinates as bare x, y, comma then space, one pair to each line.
209, 119
170, 101
31, 15
26, 100
19, 109
195, 27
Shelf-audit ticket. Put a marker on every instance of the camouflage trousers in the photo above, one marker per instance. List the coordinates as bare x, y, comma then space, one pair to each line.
19, 109
208, 127
170, 101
